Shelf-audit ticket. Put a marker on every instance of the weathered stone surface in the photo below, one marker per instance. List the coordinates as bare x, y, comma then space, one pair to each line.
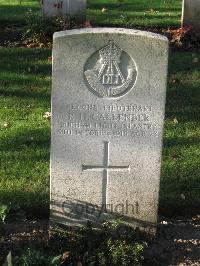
108, 104
52, 8
191, 13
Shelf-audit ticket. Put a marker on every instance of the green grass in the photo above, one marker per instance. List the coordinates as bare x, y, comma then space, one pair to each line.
25, 85
13, 13
136, 13
181, 155
129, 13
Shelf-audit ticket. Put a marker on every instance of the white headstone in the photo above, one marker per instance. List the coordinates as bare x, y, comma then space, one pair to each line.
191, 13
108, 105
63, 8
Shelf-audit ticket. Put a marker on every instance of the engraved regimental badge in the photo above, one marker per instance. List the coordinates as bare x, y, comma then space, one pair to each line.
110, 72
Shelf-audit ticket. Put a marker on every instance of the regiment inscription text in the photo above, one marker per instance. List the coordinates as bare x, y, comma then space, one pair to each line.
108, 120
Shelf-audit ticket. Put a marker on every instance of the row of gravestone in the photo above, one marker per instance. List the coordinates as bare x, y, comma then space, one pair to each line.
190, 13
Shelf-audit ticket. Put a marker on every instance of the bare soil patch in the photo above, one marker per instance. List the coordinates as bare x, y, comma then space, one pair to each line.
177, 241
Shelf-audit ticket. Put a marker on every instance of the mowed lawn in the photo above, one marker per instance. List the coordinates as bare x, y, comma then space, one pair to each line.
12, 12
25, 88
127, 13
135, 13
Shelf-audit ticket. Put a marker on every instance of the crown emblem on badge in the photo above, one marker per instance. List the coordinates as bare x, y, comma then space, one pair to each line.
111, 52
107, 79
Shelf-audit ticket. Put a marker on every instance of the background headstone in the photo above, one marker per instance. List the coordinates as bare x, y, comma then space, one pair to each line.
52, 8
108, 105
191, 13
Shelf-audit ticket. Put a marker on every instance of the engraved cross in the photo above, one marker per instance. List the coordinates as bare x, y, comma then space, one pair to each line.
105, 168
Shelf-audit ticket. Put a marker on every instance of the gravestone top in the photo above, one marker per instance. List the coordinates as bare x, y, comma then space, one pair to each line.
110, 31
191, 14
64, 8
108, 103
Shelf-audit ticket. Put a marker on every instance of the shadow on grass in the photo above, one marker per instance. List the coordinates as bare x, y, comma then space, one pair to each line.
23, 60
26, 204
183, 103
182, 141
182, 62
134, 21
180, 188
41, 96
183, 92
25, 171
24, 74
15, 14
169, 207
23, 138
